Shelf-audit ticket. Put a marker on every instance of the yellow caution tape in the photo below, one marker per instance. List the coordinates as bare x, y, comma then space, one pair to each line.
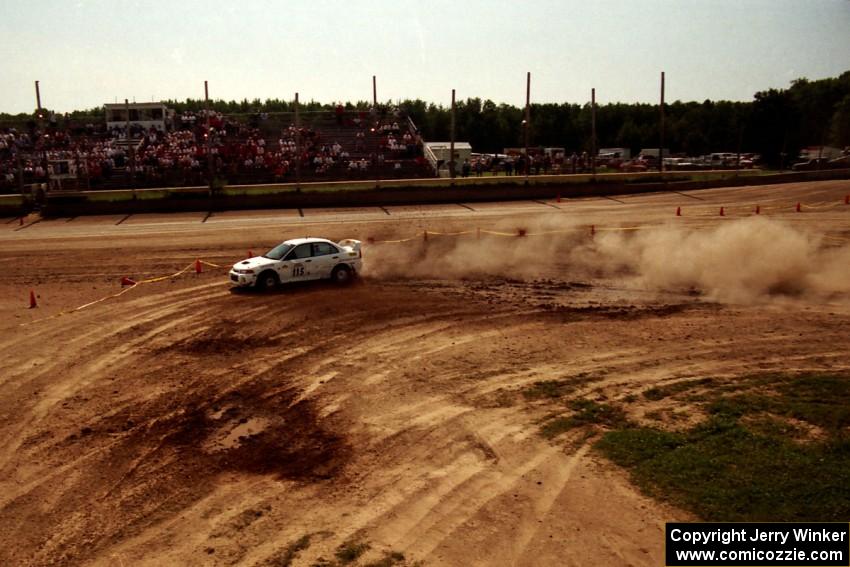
393, 241
621, 228
449, 233
81, 307
123, 291
174, 275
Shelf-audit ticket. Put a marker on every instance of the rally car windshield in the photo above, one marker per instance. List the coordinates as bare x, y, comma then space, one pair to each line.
278, 251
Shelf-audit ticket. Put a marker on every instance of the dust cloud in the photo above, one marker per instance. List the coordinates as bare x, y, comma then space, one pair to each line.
738, 261
549, 241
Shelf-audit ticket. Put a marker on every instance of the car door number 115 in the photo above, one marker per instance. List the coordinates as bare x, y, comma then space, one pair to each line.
297, 271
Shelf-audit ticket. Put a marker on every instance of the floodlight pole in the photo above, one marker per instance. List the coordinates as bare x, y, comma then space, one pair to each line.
38, 99
40, 114
593, 131
297, 146
374, 93
127, 121
661, 147
452, 165
527, 121
130, 148
210, 164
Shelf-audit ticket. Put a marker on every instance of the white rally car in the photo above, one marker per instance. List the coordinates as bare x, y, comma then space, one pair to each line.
300, 259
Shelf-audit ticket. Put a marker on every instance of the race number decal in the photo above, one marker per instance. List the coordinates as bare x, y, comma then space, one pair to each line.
297, 271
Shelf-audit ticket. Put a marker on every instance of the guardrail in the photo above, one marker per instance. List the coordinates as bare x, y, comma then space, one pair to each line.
330, 187
403, 191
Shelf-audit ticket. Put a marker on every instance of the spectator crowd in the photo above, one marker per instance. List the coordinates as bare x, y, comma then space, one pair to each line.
335, 146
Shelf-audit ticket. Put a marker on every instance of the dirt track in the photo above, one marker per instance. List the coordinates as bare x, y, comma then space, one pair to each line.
183, 424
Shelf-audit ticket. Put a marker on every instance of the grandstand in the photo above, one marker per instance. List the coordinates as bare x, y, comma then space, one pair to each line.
246, 149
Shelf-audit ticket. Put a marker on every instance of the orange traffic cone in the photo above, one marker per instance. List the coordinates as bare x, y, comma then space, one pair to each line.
678, 211
722, 214
127, 281
425, 235
799, 209
520, 232
21, 221
847, 199
558, 198
592, 229
250, 253
198, 268
33, 302
758, 210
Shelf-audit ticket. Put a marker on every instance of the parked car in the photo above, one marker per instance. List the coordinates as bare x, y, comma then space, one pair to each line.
816, 163
300, 259
633, 165
842, 162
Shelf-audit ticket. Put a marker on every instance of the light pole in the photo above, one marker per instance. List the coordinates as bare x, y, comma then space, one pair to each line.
452, 165
210, 164
661, 146
527, 121
40, 114
130, 148
297, 146
593, 131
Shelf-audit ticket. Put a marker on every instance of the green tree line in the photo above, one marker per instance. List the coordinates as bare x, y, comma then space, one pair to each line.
777, 123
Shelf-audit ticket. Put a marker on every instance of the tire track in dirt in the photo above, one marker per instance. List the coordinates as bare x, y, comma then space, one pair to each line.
109, 337
424, 521
94, 365
154, 322
437, 522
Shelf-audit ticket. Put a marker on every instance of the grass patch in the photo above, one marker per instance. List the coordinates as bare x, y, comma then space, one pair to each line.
389, 559
556, 427
590, 412
350, 551
586, 412
740, 464
553, 389
661, 392
545, 389
285, 557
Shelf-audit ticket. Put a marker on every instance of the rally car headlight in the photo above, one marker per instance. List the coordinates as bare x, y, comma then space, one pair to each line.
244, 271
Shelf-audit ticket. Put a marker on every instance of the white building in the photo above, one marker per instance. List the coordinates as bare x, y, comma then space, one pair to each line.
815, 152
145, 114
616, 153
438, 154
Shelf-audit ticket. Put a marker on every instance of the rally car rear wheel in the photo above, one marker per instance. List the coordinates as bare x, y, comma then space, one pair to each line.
341, 275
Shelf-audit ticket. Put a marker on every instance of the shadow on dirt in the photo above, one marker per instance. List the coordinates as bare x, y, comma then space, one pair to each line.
202, 434
298, 287
224, 337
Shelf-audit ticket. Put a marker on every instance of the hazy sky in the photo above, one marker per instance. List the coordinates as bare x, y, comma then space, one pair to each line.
88, 52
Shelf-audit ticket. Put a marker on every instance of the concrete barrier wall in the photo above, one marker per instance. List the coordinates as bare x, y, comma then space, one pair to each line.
417, 192
12, 206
